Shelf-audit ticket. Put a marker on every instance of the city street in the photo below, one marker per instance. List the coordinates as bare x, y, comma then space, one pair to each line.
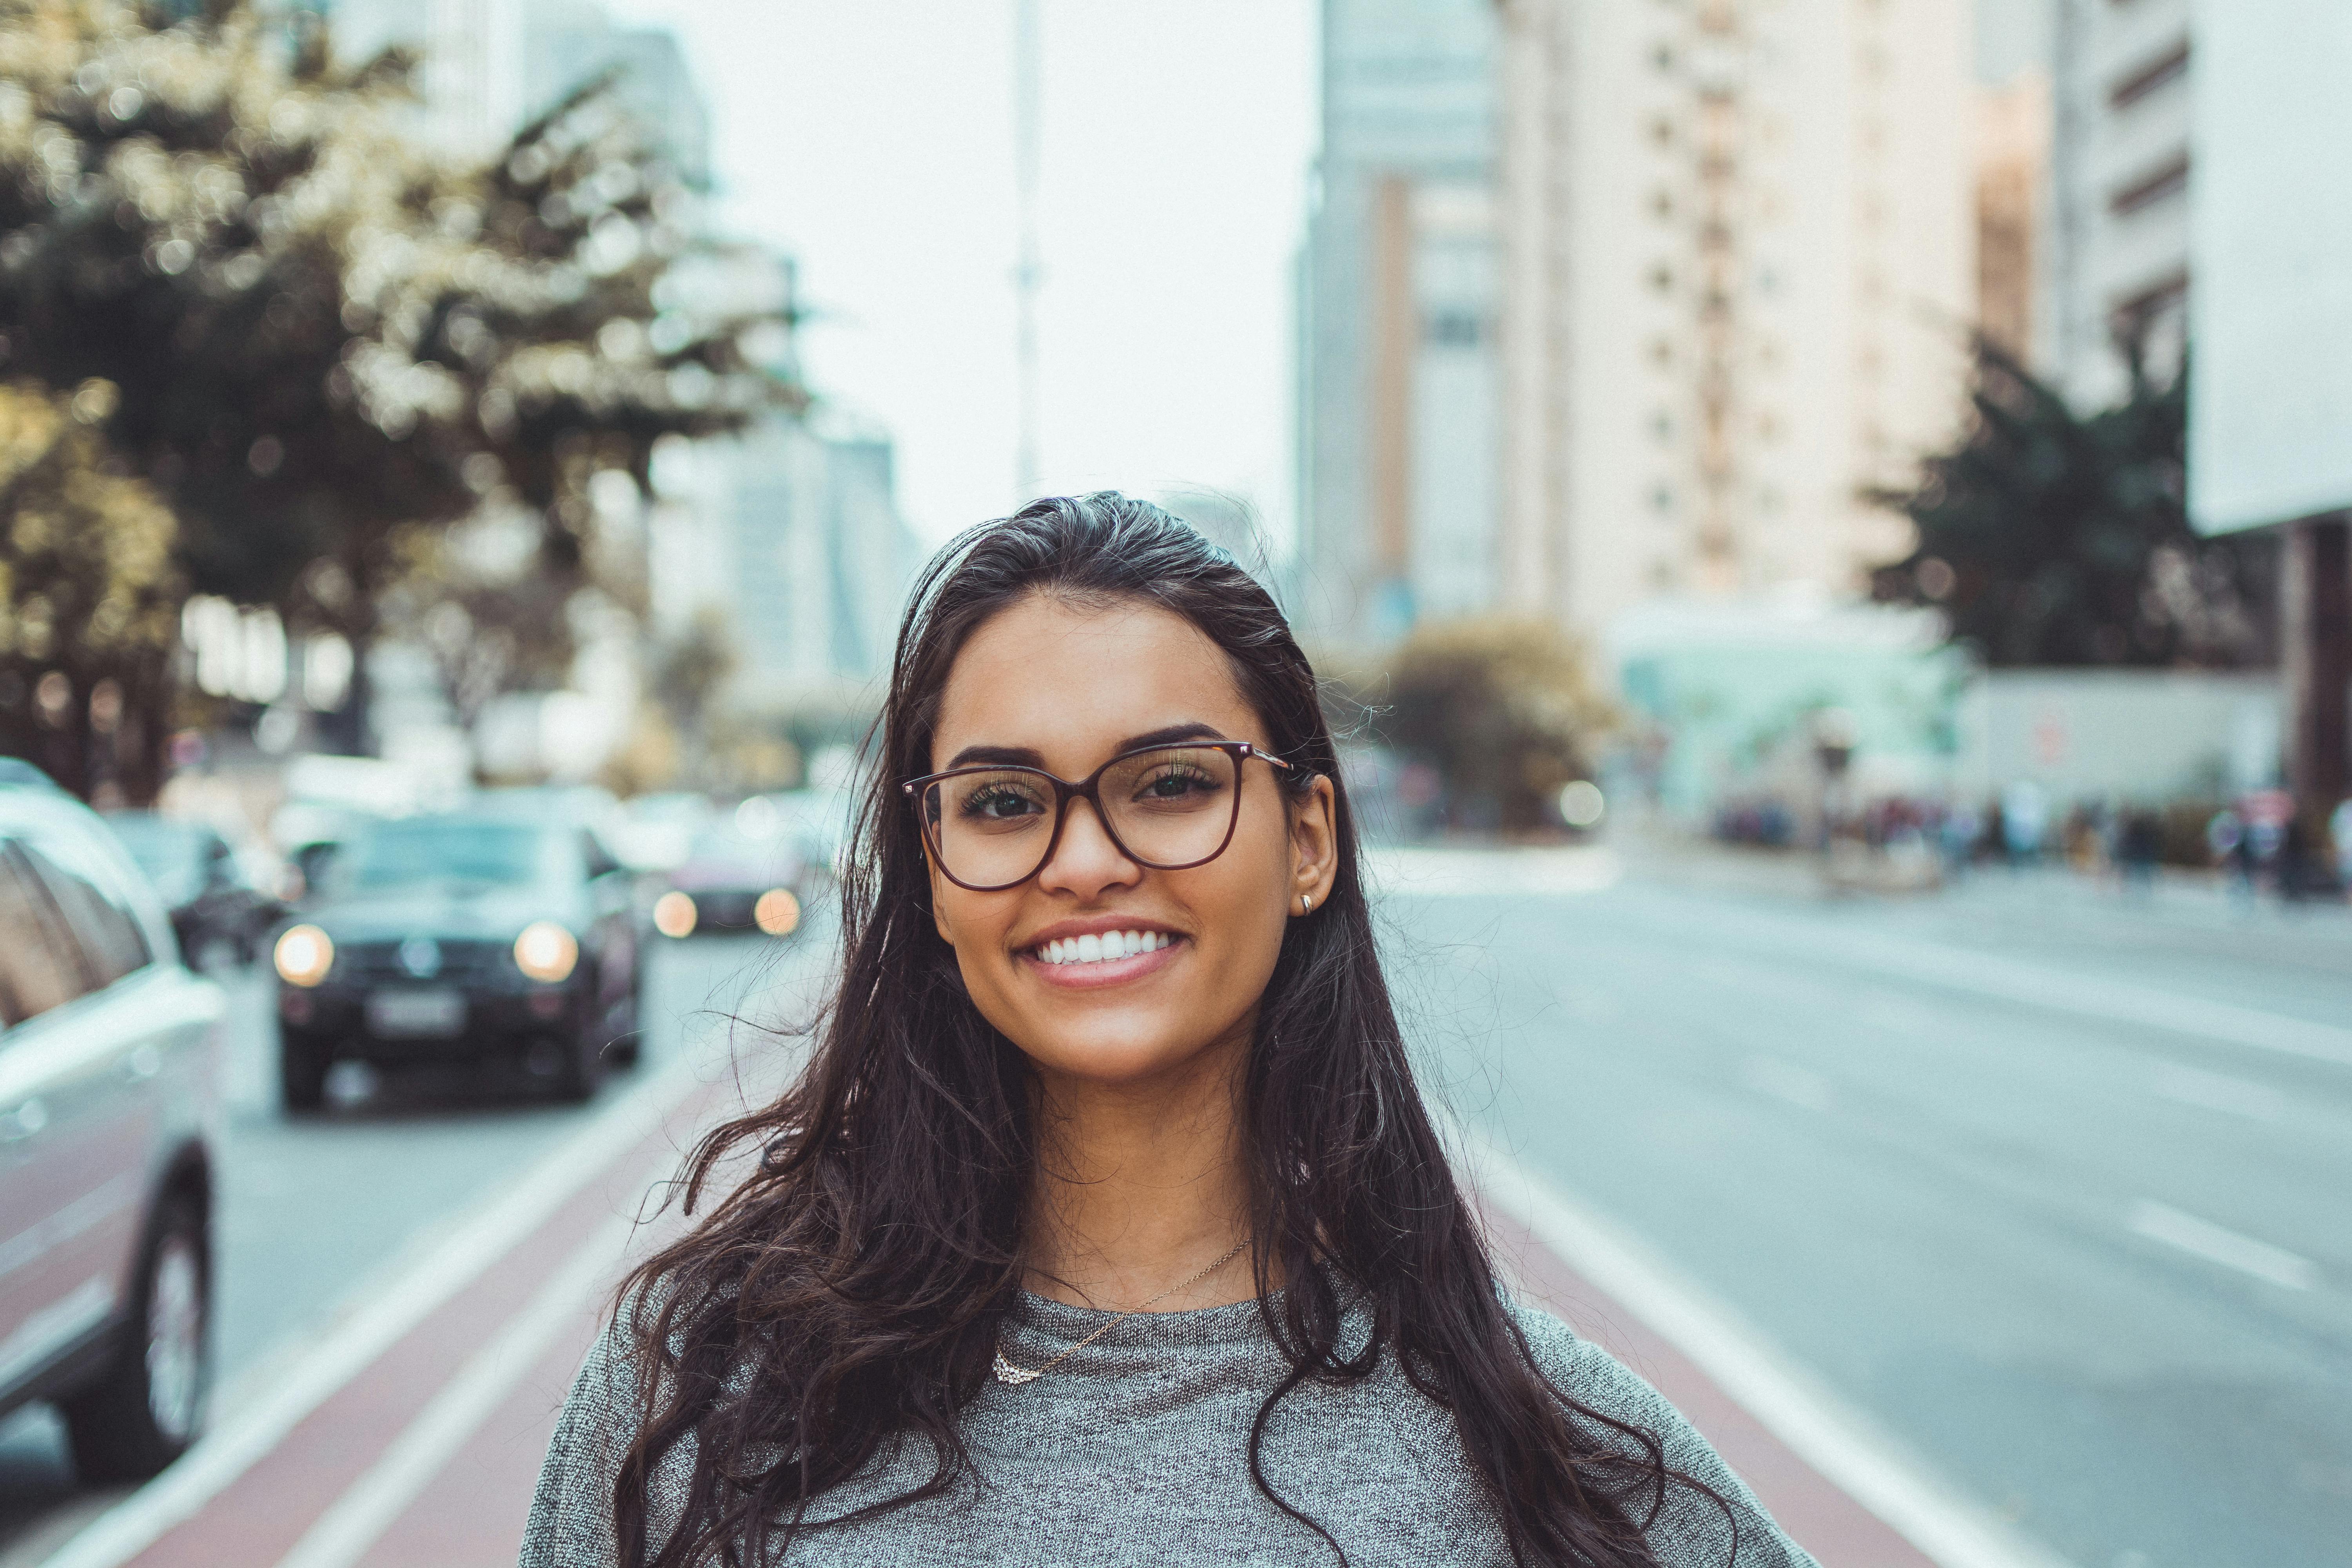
2045, 1188
319, 1217
2050, 1186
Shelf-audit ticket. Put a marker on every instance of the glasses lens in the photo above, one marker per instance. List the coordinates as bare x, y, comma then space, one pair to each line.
1174, 805
991, 828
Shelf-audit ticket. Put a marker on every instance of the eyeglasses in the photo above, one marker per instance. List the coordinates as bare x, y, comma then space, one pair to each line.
1167, 807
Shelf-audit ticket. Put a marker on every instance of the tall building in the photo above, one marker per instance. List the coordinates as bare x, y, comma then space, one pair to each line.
489, 65
2117, 265
1398, 294
2012, 174
1738, 274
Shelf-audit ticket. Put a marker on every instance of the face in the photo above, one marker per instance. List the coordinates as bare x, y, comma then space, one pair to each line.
1064, 689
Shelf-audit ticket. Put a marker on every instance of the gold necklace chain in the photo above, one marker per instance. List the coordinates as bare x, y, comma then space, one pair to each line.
1012, 1375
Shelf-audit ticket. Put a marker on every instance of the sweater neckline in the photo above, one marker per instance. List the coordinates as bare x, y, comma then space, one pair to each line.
1060, 1325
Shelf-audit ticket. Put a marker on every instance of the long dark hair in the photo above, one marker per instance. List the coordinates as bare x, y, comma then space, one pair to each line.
847, 1293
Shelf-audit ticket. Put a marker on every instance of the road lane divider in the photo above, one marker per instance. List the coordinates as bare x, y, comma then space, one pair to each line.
345, 1532
2037, 985
1841, 1442
2219, 1244
249, 1434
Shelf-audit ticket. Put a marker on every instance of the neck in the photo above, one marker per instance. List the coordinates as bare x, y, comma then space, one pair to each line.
1139, 1186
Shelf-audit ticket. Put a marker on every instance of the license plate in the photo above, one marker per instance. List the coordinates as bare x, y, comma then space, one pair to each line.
416, 1014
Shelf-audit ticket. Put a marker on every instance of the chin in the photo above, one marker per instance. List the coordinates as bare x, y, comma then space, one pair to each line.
1111, 1056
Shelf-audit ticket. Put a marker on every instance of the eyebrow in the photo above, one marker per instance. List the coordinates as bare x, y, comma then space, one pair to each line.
1027, 757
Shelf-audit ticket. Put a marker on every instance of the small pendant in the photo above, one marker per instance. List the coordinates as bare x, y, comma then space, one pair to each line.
1006, 1373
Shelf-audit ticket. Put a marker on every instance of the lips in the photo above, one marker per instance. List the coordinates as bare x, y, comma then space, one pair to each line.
1084, 954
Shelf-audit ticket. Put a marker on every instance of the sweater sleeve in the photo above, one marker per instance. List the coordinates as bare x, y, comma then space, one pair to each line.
1691, 1529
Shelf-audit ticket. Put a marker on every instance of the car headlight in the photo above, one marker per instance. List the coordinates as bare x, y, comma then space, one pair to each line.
303, 955
778, 913
546, 951
675, 914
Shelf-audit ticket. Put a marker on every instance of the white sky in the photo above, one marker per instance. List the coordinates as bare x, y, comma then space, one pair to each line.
874, 141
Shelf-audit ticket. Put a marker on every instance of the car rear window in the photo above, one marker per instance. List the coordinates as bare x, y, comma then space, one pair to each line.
40, 966
104, 927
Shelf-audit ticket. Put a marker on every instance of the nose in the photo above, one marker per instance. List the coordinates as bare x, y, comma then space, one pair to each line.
1086, 861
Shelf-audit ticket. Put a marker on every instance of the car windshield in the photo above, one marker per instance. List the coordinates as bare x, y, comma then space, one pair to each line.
406, 853
167, 851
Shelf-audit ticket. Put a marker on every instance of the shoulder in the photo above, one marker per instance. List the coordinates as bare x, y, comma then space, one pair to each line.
572, 1522
1691, 1528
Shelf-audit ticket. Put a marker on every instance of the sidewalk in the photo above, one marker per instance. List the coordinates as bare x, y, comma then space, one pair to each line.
411, 1434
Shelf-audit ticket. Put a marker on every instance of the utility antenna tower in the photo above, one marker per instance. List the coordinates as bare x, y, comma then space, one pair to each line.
1028, 270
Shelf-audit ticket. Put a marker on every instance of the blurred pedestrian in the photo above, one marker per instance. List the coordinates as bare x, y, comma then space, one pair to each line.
1105, 1221
2140, 846
2024, 818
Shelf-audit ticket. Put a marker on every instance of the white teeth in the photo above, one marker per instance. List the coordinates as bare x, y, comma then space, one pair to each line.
1108, 946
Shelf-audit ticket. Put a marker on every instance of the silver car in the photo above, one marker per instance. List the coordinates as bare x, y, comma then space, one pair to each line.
107, 1114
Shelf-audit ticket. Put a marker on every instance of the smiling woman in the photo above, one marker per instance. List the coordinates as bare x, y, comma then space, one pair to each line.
1105, 1222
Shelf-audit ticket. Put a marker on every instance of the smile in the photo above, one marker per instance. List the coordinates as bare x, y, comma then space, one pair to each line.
1099, 958
1109, 947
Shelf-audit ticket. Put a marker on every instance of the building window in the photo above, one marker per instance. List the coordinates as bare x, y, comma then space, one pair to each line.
2166, 180
2162, 71
1661, 278
1662, 499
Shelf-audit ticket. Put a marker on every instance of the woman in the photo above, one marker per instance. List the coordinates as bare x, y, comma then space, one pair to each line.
1106, 1224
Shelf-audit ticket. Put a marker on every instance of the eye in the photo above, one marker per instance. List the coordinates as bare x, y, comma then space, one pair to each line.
1177, 781
997, 802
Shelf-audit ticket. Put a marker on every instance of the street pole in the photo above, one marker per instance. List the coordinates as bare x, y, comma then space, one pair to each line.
1028, 66
2315, 629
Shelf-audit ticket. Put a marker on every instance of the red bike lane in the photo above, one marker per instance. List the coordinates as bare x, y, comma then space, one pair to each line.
423, 1454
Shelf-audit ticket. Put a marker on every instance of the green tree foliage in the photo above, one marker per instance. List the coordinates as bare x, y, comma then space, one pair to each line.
89, 597
1505, 711
324, 333
2053, 537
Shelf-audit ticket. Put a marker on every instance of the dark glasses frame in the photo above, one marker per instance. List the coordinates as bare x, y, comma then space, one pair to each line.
1088, 789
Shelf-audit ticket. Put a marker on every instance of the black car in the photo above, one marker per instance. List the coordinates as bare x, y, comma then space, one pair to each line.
460, 937
216, 911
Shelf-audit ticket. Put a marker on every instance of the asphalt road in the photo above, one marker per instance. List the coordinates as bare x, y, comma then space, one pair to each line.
2054, 1185
314, 1213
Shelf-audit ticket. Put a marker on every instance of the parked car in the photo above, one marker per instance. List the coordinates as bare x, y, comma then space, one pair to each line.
108, 1114
741, 872
217, 912
462, 936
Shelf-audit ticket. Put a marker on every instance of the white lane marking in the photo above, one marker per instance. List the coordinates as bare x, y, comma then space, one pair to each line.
2218, 1091
354, 1522
252, 1431
1843, 1445
1787, 1080
2219, 1244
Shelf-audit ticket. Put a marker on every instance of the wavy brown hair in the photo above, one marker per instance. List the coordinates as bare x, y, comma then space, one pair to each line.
846, 1294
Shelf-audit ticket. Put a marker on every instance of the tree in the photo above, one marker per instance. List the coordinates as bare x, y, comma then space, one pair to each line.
1504, 709
2053, 537
89, 597
326, 335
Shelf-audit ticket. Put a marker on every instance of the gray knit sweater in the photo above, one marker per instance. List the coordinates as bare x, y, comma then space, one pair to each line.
1135, 1451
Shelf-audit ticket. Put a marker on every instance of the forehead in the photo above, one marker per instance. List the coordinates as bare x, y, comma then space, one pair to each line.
1070, 681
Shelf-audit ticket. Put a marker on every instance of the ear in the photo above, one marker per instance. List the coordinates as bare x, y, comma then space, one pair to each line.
1313, 847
